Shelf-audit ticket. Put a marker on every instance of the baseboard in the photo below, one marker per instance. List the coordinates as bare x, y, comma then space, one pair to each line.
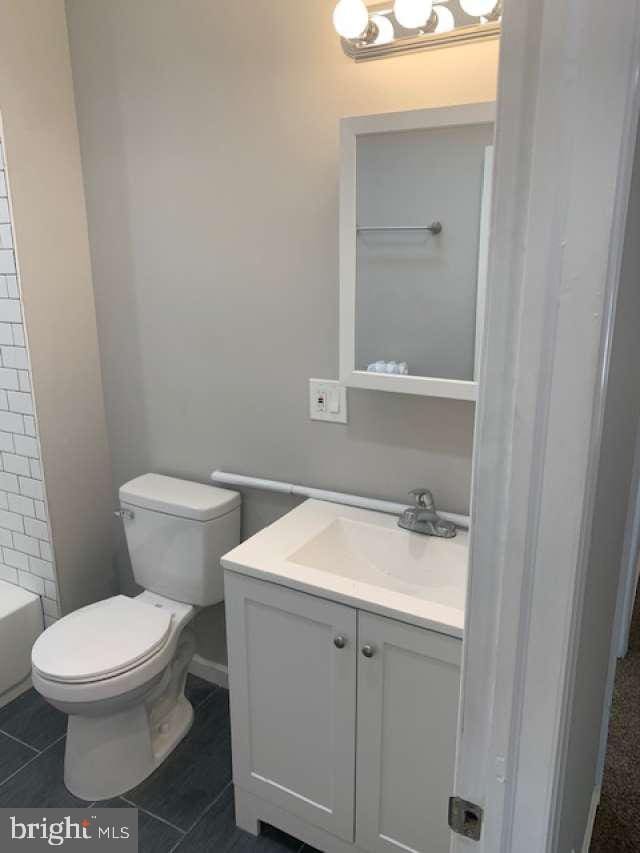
15, 691
214, 673
595, 800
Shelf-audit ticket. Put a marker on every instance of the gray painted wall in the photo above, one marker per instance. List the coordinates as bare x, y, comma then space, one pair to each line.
209, 136
622, 415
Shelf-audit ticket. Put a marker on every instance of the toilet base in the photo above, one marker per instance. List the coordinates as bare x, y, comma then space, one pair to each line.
172, 730
107, 756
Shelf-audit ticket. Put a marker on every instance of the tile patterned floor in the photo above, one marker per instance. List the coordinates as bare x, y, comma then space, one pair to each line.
186, 806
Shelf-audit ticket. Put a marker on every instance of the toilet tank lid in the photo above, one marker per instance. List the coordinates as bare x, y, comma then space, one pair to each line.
179, 497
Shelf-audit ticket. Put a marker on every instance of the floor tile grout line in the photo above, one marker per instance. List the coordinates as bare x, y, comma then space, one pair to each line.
18, 740
207, 698
177, 844
153, 815
30, 761
198, 819
11, 775
208, 807
53, 743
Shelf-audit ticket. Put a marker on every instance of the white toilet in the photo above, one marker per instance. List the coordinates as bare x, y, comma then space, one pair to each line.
118, 667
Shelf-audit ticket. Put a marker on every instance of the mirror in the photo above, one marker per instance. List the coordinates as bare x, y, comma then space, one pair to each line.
414, 228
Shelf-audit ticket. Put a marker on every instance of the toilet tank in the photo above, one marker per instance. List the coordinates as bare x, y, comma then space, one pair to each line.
177, 531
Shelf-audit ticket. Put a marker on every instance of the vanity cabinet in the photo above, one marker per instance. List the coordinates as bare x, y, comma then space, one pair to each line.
406, 736
293, 700
343, 722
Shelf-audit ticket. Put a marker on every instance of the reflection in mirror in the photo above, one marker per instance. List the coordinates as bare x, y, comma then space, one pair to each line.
414, 231
416, 281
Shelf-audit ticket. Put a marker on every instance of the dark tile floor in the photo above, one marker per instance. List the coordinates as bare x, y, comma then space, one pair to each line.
185, 806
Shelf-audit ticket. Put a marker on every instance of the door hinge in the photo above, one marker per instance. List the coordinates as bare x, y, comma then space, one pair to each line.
465, 818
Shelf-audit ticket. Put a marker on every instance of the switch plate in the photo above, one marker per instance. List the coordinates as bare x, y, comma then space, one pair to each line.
327, 401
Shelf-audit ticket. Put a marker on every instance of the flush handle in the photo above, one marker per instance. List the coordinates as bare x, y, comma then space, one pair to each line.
339, 642
125, 514
368, 650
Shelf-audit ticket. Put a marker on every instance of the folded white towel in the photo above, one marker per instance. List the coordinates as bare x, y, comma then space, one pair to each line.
400, 368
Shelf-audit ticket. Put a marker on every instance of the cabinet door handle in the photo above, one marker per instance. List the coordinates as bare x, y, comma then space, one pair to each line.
368, 650
339, 642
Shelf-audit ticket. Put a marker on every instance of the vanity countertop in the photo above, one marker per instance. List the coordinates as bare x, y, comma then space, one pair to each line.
363, 559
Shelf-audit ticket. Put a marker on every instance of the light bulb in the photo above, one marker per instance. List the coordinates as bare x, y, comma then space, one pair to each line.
350, 18
477, 8
446, 21
386, 33
412, 14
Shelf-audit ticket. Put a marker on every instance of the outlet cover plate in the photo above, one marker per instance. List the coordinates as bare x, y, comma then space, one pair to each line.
327, 401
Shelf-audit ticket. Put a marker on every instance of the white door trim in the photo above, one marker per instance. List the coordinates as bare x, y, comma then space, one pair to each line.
567, 97
591, 820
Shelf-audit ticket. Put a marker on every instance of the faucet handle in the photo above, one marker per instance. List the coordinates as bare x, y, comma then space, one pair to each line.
423, 498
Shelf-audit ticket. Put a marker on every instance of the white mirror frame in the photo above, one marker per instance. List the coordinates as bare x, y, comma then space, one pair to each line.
350, 129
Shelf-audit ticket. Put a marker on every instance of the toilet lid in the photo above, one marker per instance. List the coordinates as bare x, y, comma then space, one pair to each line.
101, 640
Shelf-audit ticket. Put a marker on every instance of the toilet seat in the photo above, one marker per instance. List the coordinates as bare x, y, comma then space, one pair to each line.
127, 643
101, 640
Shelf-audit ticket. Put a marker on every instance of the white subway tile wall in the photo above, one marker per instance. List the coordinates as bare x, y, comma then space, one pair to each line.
26, 552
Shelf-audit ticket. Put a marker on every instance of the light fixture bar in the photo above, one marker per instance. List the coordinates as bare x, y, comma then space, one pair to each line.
466, 29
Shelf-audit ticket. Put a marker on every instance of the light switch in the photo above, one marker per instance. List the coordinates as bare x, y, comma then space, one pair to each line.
327, 401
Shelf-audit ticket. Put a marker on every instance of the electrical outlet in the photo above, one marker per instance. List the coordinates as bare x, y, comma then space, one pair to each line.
327, 401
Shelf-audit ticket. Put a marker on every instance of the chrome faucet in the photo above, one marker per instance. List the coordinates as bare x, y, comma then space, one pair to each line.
423, 517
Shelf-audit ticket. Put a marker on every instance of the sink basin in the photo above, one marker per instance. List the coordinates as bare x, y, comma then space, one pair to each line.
363, 559
409, 563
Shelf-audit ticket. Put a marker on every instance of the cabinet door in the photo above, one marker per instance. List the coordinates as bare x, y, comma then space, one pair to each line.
408, 692
292, 677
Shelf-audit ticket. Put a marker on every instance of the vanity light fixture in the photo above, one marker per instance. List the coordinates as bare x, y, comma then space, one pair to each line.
446, 21
351, 19
412, 14
478, 8
376, 30
384, 27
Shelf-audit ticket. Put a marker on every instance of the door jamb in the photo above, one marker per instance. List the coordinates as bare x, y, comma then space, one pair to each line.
568, 93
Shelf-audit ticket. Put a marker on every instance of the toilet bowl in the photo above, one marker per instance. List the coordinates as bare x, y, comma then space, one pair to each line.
118, 667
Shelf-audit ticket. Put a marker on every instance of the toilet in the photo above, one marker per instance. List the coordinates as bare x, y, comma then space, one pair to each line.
118, 667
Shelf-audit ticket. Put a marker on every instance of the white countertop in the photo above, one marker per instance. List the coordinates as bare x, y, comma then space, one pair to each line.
363, 559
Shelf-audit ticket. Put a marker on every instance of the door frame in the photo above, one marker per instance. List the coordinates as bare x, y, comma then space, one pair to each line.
565, 136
